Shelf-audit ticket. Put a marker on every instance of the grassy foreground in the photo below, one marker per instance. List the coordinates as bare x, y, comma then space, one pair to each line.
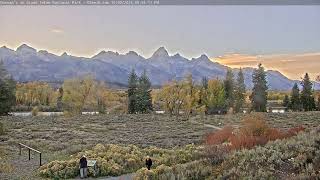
297, 157
121, 142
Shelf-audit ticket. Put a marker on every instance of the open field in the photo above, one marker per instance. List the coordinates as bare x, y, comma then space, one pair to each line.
278, 120
58, 137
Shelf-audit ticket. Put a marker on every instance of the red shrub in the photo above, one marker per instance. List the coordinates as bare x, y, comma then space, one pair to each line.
220, 136
253, 131
241, 141
254, 125
274, 134
294, 131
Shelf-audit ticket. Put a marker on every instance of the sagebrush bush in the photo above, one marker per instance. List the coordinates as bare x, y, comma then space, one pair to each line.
199, 169
114, 160
294, 157
2, 130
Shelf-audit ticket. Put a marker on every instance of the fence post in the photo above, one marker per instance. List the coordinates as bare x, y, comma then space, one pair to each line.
29, 154
40, 158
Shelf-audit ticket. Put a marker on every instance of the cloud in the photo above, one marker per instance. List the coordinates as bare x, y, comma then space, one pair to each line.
57, 31
292, 65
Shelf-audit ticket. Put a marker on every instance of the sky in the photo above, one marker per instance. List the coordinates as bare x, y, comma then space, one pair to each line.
190, 30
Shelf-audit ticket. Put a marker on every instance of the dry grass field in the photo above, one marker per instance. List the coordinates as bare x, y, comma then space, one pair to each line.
277, 120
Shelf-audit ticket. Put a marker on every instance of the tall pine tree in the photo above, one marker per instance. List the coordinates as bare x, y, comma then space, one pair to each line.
240, 92
307, 98
229, 88
318, 103
144, 99
203, 92
295, 104
286, 101
7, 91
132, 92
259, 91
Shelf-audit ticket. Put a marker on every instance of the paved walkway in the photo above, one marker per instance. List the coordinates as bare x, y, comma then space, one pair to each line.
122, 177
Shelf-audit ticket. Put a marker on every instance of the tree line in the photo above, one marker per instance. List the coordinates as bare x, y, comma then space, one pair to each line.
186, 96
211, 96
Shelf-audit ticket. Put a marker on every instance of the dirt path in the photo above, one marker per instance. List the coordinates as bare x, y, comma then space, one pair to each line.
206, 125
22, 167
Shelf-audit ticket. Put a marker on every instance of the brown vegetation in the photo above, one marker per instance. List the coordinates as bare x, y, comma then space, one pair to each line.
253, 131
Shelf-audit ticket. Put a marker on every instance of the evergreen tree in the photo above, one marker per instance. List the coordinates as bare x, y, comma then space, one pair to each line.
259, 91
132, 92
295, 98
307, 98
59, 99
240, 92
204, 82
7, 91
144, 99
286, 101
203, 92
318, 103
229, 88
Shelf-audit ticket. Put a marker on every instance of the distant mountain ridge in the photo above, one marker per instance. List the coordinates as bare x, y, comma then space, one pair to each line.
28, 64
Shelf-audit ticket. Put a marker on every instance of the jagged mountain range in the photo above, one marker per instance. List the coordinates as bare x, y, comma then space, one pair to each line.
27, 64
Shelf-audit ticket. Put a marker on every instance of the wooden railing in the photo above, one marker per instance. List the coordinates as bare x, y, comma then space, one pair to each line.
29, 151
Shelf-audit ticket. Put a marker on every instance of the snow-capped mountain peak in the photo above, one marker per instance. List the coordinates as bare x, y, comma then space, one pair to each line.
161, 52
26, 64
65, 54
204, 57
25, 49
177, 55
132, 53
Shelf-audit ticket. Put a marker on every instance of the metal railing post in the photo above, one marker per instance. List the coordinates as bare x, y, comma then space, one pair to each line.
40, 158
29, 152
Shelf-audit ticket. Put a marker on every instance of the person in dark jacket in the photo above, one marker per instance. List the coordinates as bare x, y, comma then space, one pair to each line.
83, 167
148, 162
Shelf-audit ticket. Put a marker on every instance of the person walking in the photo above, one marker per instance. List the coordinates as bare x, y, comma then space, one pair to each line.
83, 167
148, 162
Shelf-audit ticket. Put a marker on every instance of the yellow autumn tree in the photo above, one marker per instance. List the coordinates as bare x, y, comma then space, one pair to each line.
35, 93
179, 97
77, 93
191, 97
215, 97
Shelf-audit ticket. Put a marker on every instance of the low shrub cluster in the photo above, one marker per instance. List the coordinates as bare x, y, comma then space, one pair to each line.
5, 166
114, 160
199, 169
2, 130
297, 157
253, 131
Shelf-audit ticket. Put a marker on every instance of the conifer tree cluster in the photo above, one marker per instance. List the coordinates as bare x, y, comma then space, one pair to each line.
139, 93
303, 100
7, 91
